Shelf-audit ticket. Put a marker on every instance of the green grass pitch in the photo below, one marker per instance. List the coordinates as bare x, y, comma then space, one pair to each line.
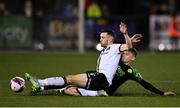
161, 69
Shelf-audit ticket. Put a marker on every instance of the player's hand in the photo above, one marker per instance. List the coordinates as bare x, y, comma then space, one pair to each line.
136, 38
123, 28
169, 93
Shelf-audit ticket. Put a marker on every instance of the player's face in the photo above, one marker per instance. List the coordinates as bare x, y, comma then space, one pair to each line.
127, 57
105, 39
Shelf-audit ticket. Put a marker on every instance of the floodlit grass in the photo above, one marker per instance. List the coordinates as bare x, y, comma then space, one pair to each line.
161, 69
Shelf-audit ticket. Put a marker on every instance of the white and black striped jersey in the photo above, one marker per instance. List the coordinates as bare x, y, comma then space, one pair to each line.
108, 60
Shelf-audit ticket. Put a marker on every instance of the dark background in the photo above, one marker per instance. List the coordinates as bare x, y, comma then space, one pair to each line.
135, 13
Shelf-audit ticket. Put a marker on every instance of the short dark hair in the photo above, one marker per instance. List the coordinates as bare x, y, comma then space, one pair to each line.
109, 32
134, 51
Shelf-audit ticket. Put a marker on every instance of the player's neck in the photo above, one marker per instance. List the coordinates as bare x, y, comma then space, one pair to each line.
128, 63
107, 46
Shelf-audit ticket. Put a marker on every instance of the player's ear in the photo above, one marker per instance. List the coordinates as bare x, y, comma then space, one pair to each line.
111, 39
133, 58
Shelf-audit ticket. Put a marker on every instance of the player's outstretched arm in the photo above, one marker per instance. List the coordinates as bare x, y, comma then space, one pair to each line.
128, 44
152, 88
136, 38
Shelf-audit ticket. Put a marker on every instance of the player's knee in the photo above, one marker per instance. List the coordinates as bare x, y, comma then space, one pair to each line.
69, 79
105, 85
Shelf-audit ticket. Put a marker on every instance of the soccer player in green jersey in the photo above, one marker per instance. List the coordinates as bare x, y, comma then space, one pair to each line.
126, 73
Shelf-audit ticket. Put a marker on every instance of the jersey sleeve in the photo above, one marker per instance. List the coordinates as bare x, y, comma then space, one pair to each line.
138, 78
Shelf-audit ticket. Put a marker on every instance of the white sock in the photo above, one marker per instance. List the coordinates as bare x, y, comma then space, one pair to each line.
53, 81
85, 92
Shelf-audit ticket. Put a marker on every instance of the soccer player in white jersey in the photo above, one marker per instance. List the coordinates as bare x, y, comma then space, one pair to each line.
124, 73
100, 79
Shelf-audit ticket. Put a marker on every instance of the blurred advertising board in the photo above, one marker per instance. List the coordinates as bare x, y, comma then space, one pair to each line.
15, 31
164, 32
63, 33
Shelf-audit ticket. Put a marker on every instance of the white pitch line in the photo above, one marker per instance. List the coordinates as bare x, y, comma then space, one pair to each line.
153, 81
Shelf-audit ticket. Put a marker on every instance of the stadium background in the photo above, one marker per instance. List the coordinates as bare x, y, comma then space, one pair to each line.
44, 24
42, 37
